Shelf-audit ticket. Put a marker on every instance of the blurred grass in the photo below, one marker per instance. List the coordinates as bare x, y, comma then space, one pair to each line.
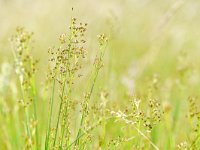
146, 38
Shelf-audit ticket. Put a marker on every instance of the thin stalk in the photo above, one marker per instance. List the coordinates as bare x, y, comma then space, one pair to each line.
35, 114
69, 88
194, 142
83, 114
63, 131
17, 128
74, 142
59, 113
50, 116
141, 133
83, 133
22, 93
27, 122
90, 93
26, 113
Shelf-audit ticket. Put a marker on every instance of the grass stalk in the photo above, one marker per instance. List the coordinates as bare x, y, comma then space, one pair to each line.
90, 92
59, 114
35, 113
50, 116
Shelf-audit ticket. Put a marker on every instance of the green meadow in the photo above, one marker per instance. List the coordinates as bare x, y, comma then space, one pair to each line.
99, 75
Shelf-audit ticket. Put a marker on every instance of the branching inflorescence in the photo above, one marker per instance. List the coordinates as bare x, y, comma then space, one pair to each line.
65, 63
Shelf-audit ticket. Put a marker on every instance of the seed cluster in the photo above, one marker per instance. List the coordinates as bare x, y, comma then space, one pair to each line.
141, 120
150, 117
183, 146
24, 63
194, 115
155, 114
115, 143
65, 60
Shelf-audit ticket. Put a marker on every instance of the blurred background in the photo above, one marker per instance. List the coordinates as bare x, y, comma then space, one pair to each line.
145, 36
151, 42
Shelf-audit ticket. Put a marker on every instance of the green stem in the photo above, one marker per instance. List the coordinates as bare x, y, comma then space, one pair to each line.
82, 134
83, 114
50, 116
63, 131
69, 89
26, 112
90, 93
35, 114
27, 122
59, 113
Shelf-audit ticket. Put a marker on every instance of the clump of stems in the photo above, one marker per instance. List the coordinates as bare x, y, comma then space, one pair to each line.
64, 64
25, 67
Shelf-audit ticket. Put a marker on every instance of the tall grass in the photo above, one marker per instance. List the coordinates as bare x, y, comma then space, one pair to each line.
83, 111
